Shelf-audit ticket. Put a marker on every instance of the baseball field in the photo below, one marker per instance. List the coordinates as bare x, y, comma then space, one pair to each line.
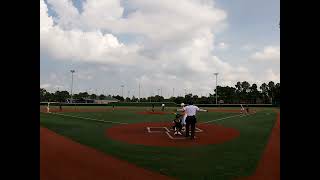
134, 143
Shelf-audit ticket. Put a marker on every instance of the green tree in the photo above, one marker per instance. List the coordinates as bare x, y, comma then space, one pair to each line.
83, 95
93, 96
120, 98
172, 99
134, 99
264, 92
271, 91
254, 93
42, 94
245, 91
227, 94
76, 96
61, 96
238, 87
179, 100
277, 94
238, 92
157, 98
203, 100
188, 98
102, 96
49, 97
195, 99
144, 100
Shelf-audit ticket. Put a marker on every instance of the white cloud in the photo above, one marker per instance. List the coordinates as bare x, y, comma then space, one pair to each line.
174, 47
223, 45
270, 75
45, 86
269, 53
86, 75
76, 44
68, 14
53, 87
59, 87
248, 47
156, 20
46, 22
53, 76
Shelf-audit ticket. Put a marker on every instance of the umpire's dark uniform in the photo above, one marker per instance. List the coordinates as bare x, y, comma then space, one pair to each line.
191, 119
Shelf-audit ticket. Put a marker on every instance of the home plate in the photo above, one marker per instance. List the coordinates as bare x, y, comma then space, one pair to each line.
181, 137
165, 130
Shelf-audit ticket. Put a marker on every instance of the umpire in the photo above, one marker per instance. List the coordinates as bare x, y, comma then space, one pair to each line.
191, 119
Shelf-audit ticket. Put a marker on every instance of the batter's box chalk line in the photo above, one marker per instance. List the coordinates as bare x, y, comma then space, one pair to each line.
167, 131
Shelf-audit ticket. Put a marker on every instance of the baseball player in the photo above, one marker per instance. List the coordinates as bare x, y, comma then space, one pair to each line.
48, 108
247, 109
191, 119
177, 127
162, 107
183, 122
242, 110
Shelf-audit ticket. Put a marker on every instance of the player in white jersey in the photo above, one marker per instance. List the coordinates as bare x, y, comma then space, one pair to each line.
183, 122
191, 119
48, 108
162, 107
242, 110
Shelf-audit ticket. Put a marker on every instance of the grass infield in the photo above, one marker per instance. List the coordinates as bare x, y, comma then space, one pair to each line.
236, 158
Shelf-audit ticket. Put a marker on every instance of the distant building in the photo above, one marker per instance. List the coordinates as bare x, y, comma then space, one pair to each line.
81, 100
106, 100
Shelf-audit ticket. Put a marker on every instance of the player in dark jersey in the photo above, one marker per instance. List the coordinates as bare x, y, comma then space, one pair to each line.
177, 127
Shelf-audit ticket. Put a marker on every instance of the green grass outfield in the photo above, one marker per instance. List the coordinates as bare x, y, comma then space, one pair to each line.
236, 158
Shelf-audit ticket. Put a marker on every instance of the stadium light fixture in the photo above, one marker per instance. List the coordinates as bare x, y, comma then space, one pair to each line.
139, 92
122, 90
216, 74
72, 71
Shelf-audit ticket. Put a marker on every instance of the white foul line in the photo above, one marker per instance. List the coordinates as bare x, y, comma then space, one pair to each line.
167, 132
149, 131
224, 118
177, 137
91, 119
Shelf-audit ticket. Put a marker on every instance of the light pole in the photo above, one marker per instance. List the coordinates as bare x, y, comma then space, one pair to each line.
216, 74
151, 95
122, 90
139, 92
72, 71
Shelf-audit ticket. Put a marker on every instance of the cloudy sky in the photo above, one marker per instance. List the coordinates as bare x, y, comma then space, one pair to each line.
159, 44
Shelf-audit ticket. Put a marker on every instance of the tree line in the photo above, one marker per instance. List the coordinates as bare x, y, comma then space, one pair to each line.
242, 92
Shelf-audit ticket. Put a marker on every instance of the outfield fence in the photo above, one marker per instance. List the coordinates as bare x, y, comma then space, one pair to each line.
149, 104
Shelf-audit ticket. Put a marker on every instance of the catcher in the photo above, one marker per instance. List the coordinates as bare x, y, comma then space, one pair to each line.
177, 127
